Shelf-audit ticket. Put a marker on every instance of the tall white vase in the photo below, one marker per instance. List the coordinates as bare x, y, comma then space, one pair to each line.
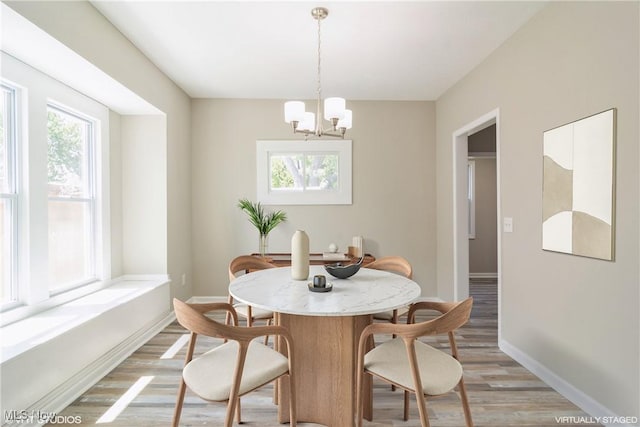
300, 255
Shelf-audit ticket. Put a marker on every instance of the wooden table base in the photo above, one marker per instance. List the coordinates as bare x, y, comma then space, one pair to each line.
325, 361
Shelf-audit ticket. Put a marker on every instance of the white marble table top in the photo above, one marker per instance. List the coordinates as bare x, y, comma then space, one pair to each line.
368, 291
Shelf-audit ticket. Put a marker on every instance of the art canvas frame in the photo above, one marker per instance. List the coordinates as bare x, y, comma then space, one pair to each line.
578, 191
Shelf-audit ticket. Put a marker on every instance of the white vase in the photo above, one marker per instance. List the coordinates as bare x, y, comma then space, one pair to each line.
300, 255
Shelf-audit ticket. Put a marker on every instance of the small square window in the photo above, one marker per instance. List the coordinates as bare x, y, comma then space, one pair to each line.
304, 172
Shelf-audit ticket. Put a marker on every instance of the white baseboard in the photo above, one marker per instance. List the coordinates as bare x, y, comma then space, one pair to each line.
62, 396
596, 410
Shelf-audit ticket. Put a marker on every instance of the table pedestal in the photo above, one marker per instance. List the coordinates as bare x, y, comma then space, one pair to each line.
325, 364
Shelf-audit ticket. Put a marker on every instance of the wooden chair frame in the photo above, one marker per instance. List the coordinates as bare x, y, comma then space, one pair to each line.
247, 263
191, 316
394, 264
453, 316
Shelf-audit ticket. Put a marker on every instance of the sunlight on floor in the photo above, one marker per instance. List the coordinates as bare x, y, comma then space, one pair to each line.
175, 348
115, 410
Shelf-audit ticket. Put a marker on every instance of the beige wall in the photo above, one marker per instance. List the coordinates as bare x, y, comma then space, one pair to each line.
483, 249
575, 318
144, 156
80, 27
393, 186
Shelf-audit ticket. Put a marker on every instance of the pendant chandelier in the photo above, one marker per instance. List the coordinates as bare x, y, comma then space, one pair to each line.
334, 108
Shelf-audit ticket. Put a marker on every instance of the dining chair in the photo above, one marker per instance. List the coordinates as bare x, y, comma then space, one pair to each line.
413, 365
398, 265
242, 265
234, 368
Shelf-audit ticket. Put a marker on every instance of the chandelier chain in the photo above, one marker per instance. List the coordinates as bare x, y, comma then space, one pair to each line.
319, 90
319, 55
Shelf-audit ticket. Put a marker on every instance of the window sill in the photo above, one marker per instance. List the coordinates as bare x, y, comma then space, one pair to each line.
36, 329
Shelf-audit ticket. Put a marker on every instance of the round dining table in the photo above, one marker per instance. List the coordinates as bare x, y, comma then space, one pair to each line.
326, 328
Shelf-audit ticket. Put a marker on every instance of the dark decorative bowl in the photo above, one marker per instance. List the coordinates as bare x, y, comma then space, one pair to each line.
342, 271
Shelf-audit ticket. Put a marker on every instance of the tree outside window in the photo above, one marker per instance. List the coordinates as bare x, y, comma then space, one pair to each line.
71, 201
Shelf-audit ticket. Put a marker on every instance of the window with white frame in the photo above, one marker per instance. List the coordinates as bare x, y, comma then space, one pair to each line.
304, 172
8, 197
71, 198
54, 190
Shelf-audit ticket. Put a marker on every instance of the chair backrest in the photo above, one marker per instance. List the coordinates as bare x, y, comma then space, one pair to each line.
245, 263
455, 316
394, 264
191, 317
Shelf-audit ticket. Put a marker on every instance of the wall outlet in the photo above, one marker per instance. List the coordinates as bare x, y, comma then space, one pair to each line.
184, 279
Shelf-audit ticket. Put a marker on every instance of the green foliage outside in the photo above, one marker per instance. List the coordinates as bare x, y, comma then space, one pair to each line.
65, 149
320, 172
281, 177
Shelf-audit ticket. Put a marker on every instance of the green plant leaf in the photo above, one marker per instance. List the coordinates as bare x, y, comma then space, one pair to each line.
263, 222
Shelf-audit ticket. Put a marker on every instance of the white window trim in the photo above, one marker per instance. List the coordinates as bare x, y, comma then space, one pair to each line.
13, 144
341, 196
471, 195
37, 90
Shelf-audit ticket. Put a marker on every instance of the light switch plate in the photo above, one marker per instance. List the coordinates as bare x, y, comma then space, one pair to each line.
507, 225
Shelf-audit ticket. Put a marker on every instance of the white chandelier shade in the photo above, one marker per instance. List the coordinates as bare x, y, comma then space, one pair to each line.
335, 110
294, 111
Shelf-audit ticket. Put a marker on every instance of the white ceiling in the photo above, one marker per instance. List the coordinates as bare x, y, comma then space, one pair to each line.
370, 50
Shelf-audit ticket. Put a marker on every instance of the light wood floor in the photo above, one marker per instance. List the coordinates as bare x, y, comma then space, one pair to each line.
501, 392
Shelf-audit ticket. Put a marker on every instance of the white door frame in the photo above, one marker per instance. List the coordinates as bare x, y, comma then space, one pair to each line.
460, 205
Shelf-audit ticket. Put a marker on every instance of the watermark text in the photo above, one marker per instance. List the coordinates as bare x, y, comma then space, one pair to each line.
39, 417
595, 420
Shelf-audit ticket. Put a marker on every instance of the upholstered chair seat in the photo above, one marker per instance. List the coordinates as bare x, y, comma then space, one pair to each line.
211, 375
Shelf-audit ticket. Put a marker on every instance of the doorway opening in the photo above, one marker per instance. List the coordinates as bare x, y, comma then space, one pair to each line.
483, 203
462, 206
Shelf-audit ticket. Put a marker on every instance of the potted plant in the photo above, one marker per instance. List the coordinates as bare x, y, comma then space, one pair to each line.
264, 222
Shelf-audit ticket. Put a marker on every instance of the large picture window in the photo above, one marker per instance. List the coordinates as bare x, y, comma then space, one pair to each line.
54, 193
304, 172
71, 195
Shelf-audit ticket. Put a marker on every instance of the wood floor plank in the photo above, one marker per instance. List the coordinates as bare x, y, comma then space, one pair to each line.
501, 392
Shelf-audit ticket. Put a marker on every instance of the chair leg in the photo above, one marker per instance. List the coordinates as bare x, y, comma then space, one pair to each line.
178, 409
417, 382
234, 398
465, 403
394, 320
239, 412
227, 317
293, 410
422, 409
249, 317
266, 337
406, 406
359, 396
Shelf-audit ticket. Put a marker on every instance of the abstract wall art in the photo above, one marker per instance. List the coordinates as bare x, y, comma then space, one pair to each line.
578, 187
